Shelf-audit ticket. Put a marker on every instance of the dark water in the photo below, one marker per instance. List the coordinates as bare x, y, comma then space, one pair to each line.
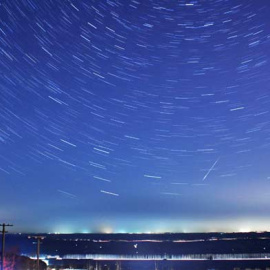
168, 265
159, 244
148, 244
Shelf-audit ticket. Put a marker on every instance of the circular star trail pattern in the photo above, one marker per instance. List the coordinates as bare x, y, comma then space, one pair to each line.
134, 115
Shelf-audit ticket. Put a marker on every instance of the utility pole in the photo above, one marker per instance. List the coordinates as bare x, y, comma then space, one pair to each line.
3, 243
39, 238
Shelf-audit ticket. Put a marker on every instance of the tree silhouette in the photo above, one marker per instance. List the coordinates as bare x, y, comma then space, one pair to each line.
16, 262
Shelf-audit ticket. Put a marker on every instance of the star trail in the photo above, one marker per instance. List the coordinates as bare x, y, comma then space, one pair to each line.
135, 116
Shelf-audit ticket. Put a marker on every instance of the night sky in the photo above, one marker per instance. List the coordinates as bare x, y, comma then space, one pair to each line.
135, 116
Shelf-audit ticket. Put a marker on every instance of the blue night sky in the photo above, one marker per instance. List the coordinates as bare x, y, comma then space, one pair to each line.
135, 116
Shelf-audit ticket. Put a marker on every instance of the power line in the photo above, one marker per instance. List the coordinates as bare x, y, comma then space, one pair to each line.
3, 243
39, 238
